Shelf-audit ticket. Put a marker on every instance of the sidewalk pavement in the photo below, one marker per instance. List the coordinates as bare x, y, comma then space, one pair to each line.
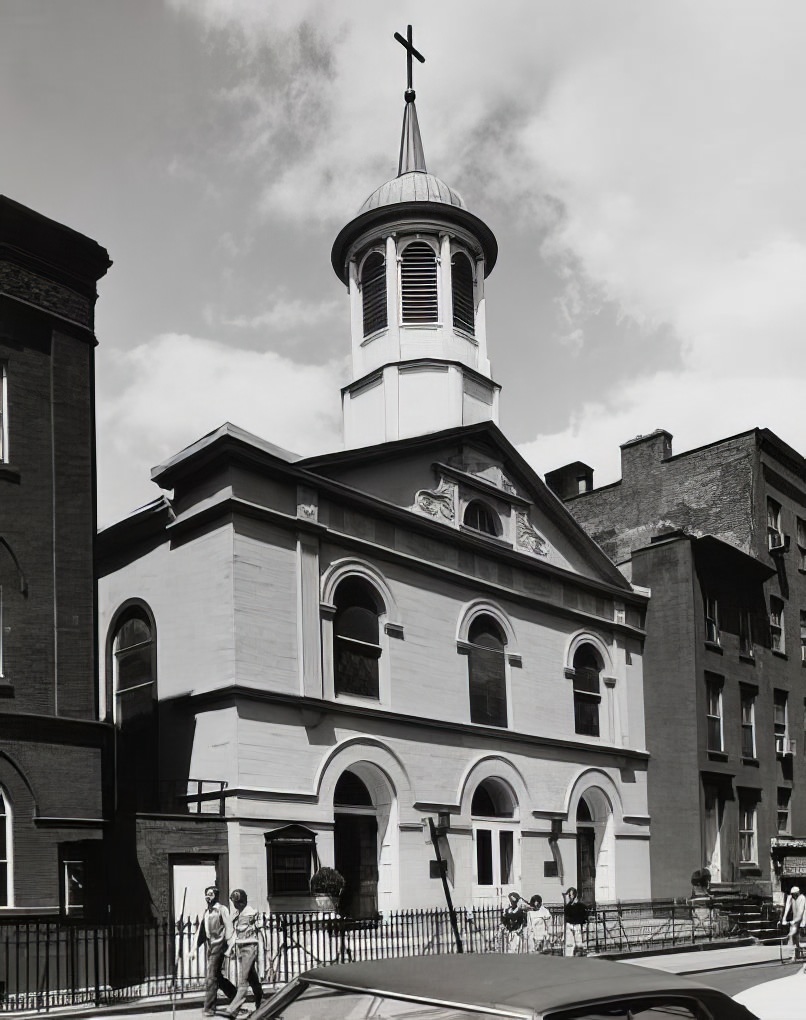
700, 961
684, 962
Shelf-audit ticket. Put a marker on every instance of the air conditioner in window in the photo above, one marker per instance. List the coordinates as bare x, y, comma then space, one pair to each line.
783, 747
778, 542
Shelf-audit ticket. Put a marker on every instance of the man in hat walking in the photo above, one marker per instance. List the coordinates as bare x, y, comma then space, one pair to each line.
795, 913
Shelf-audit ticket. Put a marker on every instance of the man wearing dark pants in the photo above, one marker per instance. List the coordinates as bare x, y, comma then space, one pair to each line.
217, 931
244, 922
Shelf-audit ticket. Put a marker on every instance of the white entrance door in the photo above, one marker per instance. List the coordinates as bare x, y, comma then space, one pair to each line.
713, 829
497, 861
188, 881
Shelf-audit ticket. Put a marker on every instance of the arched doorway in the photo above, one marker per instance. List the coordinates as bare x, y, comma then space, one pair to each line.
595, 847
364, 815
495, 836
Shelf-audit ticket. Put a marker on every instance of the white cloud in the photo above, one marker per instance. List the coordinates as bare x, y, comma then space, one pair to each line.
173, 389
284, 314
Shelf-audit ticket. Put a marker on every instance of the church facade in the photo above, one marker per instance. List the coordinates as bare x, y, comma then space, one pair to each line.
306, 659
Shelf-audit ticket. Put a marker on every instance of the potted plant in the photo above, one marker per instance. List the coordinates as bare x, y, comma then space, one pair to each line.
327, 885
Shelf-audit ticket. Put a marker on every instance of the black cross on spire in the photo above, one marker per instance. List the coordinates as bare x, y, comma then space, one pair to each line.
410, 52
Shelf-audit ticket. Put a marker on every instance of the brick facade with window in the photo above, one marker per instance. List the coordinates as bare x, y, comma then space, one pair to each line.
718, 535
53, 746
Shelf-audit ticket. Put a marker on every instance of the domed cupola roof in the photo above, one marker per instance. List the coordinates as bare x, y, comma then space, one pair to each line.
414, 195
414, 186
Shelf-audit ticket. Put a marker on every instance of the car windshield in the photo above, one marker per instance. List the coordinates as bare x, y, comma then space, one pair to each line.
332, 1004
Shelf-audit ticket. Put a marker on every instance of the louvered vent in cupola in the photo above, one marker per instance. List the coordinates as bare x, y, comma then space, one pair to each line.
464, 317
418, 284
373, 292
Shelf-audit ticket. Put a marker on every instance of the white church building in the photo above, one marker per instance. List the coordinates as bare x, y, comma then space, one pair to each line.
306, 658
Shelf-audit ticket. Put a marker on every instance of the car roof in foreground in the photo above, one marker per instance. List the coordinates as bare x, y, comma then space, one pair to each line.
520, 982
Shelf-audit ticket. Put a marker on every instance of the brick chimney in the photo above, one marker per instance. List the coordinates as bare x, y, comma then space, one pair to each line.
640, 455
571, 480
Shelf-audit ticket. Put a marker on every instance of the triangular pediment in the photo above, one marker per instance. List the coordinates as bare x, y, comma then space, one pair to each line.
472, 480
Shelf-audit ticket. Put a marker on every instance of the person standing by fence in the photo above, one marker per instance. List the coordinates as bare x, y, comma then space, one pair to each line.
576, 917
245, 922
217, 931
537, 925
513, 921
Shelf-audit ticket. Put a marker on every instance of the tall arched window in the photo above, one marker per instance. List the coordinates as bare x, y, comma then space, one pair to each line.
464, 315
6, 899
356, 636
418, 284
134, 676
373, 292
587, 692
487, 670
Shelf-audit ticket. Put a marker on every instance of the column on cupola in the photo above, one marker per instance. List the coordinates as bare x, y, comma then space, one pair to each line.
356, 312
392, 300
481, 319
445, 281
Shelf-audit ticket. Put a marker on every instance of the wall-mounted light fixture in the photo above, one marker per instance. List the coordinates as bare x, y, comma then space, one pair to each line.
443, 823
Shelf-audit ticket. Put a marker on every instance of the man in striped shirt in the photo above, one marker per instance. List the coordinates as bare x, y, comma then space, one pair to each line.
245, 920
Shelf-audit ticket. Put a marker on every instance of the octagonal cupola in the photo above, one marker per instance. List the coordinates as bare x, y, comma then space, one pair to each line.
414, 260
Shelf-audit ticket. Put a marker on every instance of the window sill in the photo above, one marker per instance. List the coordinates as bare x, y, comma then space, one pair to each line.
9, 473
374, 336
714, 646
749, 659
6, 689
717, 756
752, 762
779, 655
463, 333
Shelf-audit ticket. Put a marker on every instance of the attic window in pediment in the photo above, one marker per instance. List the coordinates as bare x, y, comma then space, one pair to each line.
480, 517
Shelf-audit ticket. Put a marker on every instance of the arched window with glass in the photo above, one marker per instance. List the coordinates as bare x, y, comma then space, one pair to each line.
356, 637
134, 689
373, 292
6, 843
464, 312
487, 672
480, 517
419, 291
587, 690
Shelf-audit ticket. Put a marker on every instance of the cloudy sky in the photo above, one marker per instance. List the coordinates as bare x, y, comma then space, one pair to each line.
641, 163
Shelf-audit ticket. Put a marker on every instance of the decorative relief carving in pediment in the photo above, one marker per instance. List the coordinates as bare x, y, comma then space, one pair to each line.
437, 502
528, 537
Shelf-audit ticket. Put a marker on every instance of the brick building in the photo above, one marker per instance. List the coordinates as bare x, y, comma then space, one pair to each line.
719, 536
52, 747
315, 655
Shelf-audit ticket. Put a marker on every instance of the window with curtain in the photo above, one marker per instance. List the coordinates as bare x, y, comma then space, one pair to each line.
464, 314
373, 292
419, 294
356, 635
487, 673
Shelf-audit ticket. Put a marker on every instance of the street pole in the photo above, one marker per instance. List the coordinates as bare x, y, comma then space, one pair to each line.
443, 874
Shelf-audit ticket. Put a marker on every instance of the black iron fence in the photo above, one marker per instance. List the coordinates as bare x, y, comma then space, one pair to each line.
50, 963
